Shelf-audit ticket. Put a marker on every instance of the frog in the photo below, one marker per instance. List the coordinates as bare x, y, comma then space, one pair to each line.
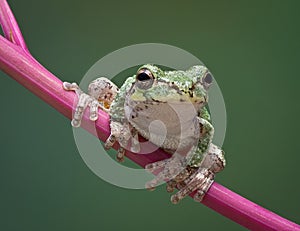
174, 104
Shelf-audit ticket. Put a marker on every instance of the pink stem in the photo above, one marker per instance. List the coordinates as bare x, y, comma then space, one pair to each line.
245, 212
21, 66
10, 26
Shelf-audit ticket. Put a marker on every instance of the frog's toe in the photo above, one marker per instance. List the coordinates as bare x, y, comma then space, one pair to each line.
94, 110
135, 144
159, 178
110, 141
171, 185
120, 154
70, 86
156, 165
75, 123
184, 174
66, 86
120, 159
93, 116
175, 199
198, 197
179, 180
150, 186
77, 117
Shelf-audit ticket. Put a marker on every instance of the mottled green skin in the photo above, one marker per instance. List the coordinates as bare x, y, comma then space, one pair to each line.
169, 87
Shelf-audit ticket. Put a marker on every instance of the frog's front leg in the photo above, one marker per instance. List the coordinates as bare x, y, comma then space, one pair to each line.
120, 132
83, 101
101, 93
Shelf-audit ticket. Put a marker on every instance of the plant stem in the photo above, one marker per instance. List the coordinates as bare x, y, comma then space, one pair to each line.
10, 26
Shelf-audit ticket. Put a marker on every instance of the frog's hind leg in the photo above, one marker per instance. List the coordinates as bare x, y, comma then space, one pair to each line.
201, 178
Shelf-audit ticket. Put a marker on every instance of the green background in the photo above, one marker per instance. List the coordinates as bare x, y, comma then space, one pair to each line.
252, 48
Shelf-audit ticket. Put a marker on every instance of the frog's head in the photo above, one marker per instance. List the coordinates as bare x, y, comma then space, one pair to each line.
154, 84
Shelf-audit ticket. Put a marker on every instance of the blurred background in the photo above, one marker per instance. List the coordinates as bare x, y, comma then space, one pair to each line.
253, 50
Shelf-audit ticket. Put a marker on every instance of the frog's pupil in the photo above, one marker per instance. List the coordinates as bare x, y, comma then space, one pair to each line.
143, 76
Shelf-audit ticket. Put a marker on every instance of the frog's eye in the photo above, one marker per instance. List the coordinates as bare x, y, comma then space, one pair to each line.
144, 75
207, 80
144, 78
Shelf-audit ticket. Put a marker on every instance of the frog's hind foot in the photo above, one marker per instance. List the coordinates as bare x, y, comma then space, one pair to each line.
200, 178
179, 180
199, 181
120, 154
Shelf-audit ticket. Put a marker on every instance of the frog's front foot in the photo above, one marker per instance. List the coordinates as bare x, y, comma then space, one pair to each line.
120, 132
84, 100
101, 92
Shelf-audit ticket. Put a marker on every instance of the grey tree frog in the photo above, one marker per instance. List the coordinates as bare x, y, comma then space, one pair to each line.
177, 99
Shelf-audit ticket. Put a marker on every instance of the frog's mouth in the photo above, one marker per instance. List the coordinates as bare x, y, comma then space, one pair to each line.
170, 94
183, 99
